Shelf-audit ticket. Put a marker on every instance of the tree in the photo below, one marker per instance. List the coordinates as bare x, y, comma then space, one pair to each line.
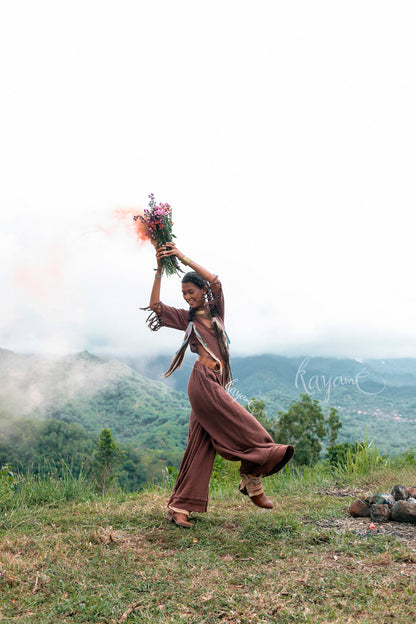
61, 445
257, 408
36, 446
106, 461
306, 426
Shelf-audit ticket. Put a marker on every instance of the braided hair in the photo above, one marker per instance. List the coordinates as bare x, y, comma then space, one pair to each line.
196, 279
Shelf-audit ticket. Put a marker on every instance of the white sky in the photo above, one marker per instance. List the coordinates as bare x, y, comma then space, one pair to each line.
282, 133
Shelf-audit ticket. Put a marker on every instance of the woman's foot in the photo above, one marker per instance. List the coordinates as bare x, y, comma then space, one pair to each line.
180, 519
262, 501
252, 487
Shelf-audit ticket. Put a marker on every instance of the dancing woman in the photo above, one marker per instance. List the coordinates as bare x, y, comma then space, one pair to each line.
218, 424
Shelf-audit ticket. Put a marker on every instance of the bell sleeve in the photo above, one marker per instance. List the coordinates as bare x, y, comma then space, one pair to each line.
162, 315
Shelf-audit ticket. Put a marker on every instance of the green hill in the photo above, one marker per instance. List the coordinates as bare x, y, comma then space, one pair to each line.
95, 393
375, 398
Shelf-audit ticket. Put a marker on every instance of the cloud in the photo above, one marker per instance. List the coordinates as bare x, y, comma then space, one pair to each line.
286, 151
35, 384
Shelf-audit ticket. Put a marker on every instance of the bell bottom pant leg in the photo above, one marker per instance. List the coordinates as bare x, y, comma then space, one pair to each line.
192, 485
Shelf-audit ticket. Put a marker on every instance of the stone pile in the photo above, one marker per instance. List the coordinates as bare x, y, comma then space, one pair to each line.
399, 506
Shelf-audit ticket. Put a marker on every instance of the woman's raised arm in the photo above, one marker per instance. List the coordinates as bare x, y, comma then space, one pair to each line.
155, 294
170, 250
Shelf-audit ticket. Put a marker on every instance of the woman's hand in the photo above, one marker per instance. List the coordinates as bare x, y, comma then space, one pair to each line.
169, 249
158, 258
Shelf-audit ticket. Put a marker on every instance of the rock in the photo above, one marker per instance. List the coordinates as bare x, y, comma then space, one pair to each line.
380, 513
382, 499
360, 509
399, 492
412, 491
403, 511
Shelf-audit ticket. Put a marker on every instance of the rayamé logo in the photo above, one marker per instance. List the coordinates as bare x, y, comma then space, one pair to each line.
314, 384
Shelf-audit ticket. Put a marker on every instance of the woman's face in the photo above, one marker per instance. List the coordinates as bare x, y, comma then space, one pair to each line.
193, 295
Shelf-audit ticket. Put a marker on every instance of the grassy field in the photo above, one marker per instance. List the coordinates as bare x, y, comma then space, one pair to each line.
69, 556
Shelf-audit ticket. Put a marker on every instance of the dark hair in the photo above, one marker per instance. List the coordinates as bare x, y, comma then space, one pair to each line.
200, 282
194, 278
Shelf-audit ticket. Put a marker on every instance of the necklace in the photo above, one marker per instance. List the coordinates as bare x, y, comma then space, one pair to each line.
204, 314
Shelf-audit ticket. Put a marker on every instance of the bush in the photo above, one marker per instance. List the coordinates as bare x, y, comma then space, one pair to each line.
337, 454
6, 483
361, 458
408, 458
48, 489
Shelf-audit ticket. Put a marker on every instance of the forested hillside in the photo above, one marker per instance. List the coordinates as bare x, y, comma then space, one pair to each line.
375, 398
94, 393
53, 410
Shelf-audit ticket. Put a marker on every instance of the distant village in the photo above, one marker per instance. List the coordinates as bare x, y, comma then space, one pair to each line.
379, 413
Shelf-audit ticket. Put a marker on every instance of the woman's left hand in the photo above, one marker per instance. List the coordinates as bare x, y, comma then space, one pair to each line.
169, 249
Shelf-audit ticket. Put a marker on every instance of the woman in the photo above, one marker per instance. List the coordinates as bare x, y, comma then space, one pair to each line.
218, 424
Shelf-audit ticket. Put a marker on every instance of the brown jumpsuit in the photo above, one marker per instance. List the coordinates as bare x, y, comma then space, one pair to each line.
218, 424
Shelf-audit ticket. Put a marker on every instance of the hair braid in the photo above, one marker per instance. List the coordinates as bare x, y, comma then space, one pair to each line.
200, 282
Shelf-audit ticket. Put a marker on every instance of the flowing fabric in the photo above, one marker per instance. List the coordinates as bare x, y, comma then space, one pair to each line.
218, 423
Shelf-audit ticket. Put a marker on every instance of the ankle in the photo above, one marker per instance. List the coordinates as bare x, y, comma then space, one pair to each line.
252, 485
179, 511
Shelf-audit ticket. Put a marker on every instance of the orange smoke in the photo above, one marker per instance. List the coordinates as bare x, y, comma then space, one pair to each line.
42, 277
125, 216
122, 218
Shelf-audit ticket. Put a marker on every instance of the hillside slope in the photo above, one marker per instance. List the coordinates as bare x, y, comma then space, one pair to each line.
95, 393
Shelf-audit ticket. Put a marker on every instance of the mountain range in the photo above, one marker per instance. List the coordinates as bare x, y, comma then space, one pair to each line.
375, 398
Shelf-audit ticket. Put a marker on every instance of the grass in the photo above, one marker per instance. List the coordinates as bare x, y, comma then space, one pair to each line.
70, 556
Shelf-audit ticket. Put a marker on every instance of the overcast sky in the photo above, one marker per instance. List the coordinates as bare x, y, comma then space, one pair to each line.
282, 133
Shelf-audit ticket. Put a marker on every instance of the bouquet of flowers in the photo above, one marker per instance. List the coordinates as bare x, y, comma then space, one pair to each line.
155, 224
